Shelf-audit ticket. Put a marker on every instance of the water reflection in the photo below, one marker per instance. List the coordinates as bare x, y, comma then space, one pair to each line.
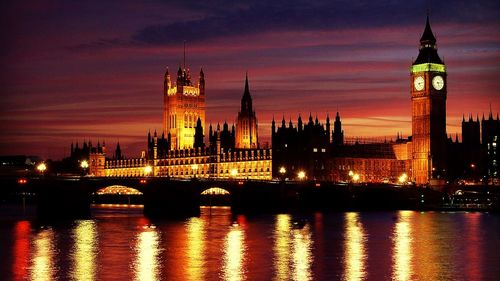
282, 247
42, 267
292, 250
354, 248
196, 249
302, 257
147, 254
234, 254
402, 253
473, 249
21, 249
85, 251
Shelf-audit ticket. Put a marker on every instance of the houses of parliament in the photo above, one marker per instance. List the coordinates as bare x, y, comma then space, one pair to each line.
184, 149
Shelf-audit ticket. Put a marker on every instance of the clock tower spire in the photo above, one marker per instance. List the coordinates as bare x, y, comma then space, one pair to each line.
428, 99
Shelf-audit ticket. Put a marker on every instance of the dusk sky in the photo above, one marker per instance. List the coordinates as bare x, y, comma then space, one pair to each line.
74, 70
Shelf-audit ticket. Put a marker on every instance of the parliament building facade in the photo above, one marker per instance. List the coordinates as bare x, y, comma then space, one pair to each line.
312, 148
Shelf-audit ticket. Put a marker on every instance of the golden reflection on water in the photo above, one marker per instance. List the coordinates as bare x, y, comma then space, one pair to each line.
147, 265
402, 243
354, 248
292, 250
43, 256
282, 247
85, 251
234, 254
302, 257
195, 249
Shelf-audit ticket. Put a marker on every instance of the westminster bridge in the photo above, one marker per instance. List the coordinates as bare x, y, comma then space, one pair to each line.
171, 197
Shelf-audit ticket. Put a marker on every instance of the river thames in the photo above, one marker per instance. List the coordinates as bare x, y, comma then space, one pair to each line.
122, 244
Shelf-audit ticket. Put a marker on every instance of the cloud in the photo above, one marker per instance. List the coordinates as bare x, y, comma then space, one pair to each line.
300, 15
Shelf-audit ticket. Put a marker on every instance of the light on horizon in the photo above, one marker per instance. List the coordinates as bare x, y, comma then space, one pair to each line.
42, 167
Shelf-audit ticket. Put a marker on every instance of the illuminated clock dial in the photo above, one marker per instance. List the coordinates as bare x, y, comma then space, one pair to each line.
437, 82
418, 83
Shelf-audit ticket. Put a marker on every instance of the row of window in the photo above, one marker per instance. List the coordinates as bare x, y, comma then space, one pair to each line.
190, 120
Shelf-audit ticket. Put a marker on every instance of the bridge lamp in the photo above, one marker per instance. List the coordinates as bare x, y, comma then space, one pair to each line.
41, 167
282, 170
234, 173
84, 164
403, 178
148, 170
301, 175
355, 177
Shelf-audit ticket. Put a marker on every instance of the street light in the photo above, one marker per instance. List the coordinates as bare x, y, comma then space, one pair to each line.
301, 175
41, 167
355, 177
148, 170
234, 173
403, 178
351, 173
282, 170
84, 164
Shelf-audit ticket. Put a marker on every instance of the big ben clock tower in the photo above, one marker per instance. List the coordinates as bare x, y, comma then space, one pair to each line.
428, 99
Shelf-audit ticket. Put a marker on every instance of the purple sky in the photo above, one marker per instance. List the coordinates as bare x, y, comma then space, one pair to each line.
74, 70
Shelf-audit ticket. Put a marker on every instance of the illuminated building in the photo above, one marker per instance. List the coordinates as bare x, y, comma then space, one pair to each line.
189, 157
372, 161
246, 128
97, 160
428, 98
184, 104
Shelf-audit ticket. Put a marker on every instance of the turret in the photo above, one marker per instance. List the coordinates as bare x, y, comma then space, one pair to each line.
198, 135
273, 126
166, 83
428, 48
118, 152
328, 127
246, 100
201, 82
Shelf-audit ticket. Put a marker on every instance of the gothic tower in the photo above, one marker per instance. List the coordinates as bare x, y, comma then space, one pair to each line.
246, 127
428, 98
184, 103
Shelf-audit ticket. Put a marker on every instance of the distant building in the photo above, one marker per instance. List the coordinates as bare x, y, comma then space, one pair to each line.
490, 137
18, 165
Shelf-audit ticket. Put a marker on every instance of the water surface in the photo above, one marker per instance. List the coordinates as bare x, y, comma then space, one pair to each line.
125, 245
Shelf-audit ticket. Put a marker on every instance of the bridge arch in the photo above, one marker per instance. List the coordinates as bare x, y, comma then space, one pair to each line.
118, 190
215, 191
215, 196
118, 194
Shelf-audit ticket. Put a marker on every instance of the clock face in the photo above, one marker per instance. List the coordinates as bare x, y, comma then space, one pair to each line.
438, 82
419, 83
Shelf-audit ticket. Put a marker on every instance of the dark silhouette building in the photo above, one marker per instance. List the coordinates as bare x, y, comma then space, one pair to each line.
300, 148
490, 137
